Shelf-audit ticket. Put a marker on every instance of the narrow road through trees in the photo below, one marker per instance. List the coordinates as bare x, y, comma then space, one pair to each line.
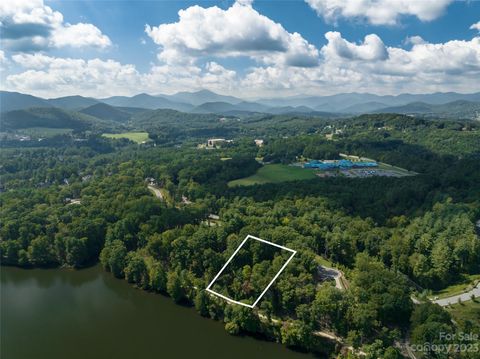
459, 297
157, 192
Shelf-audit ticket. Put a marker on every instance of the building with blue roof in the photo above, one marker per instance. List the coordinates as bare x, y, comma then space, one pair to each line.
341, 164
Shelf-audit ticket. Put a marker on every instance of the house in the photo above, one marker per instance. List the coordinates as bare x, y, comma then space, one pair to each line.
151, 181
217, 142
259, 143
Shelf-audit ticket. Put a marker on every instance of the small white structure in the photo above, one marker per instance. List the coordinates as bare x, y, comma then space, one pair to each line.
259, 142
217, 142
70, 201
151, 181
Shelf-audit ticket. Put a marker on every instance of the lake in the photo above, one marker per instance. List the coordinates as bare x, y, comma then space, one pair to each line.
60, 313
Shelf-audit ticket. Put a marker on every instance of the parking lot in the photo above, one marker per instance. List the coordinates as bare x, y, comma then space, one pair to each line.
361, 173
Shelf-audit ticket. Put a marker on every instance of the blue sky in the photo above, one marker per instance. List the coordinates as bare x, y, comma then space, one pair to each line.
249, 49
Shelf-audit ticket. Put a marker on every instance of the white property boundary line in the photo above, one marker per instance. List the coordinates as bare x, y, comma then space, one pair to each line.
269, 284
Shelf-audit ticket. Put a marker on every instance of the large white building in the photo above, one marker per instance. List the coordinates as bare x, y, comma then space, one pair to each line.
217, 142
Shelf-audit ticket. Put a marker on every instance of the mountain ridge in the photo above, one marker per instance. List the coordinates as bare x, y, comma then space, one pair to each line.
342, 103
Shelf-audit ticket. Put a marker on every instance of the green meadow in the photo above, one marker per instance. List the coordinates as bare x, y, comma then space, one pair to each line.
137, 137
273, 174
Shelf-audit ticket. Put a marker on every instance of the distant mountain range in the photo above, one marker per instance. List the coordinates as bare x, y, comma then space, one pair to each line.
356, 103
459, 108
200, 97
121, 108
147, 101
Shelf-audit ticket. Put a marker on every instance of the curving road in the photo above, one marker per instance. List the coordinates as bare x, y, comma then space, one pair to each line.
462, 297
327, 272
156, 192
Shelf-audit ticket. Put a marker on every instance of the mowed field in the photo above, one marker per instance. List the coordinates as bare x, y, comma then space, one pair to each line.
274, 174
137, 137
401, 172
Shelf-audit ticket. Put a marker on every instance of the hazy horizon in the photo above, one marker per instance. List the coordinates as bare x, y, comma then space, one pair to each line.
299, 96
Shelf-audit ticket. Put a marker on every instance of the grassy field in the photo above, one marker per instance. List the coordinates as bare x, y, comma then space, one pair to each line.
464, 285
398, 170
324, 262
137, 137
466, 311
274, 174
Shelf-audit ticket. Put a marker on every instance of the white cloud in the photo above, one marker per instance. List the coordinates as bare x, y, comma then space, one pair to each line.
29, 12
29, 25
48, 76
238, 31
414, 40
379, 12
52, 76
80, 35
4, 62
475, 26
172, 78
245, 2
346, 67
32, 61
456, 57
372, 47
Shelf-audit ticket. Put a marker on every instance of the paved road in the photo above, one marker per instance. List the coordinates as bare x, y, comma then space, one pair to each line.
327, 272
463, 297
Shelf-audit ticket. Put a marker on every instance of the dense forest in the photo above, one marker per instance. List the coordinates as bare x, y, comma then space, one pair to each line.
74, 203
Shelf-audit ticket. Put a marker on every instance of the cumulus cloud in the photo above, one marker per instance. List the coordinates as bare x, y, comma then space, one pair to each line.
379, 12
245, 2
32, 61
449, 66
345, 67
456, 57
29, 25
238, 31
49, 76
170, 78
414, 40
52, 76
3, 61
475, 26
80, 35
191, 62
372, 47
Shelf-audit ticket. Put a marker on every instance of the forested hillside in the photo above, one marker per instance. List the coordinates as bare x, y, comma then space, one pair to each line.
81, 202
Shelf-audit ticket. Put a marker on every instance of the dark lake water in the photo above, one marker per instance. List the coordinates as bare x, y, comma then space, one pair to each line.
66, 314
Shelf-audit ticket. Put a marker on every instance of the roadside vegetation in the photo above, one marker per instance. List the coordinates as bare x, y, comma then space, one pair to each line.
464, 284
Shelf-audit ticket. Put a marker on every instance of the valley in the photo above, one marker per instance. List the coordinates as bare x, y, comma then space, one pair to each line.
389, 200
240, 179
